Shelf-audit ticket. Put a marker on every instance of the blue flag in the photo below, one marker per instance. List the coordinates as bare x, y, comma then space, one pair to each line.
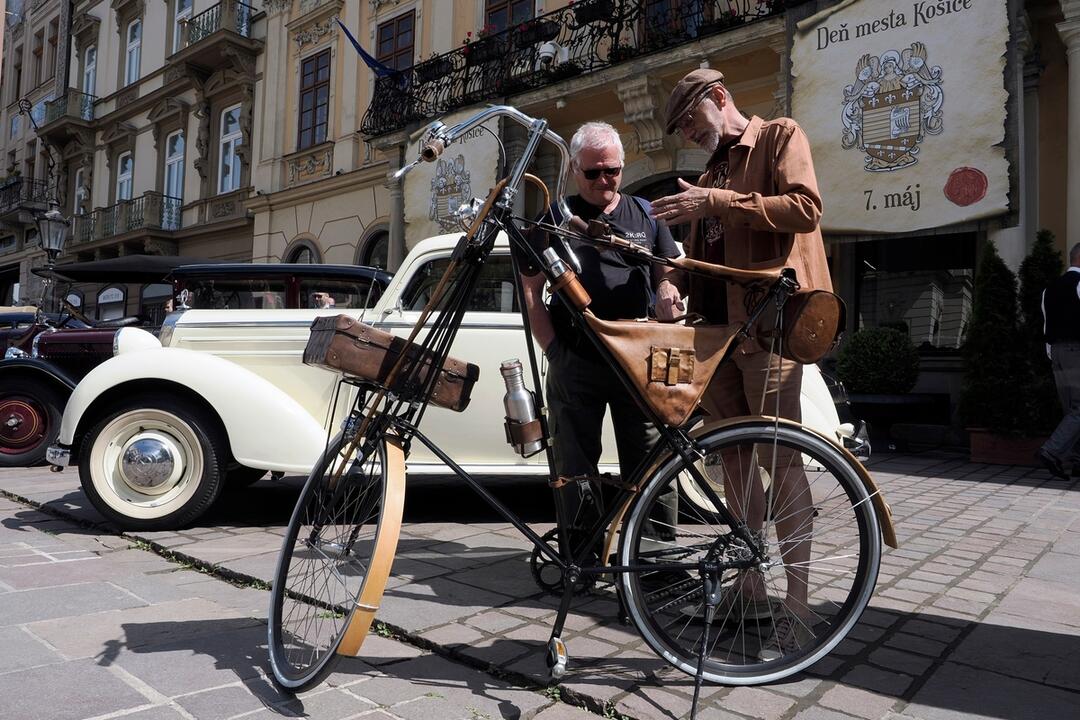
380, 69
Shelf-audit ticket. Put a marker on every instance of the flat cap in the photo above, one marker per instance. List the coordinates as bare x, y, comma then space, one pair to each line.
688, 91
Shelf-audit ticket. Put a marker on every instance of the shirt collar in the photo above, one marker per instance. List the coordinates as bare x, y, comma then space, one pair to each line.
750, 134
1073, 269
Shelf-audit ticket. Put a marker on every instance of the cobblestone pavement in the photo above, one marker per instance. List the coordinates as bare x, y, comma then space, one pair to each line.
977, 615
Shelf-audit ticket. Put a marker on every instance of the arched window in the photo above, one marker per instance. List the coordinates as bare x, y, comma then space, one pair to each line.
304, 254
111, 303
375, 249
134, 52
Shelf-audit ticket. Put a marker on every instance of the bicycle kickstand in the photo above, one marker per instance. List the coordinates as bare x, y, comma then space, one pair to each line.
557, 657
712, 591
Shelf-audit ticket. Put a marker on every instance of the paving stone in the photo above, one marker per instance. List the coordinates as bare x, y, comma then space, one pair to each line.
757, 703
436, 601
66, 601
858, 702
87, 690
959, 692
21, 650
916, 644
886, 682
220, 703
563, 711
454, 634
900, 661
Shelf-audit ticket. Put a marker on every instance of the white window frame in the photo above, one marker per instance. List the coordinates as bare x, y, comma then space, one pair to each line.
182, 13
90, 70
134, 51
79, 175
227, 152
124, 179
175, 163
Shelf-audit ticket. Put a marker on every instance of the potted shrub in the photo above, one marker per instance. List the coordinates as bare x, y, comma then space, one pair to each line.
879, 367
993, 405
433, 69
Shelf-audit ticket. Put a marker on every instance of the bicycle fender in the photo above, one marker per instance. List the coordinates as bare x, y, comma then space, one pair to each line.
881, 508
382, 558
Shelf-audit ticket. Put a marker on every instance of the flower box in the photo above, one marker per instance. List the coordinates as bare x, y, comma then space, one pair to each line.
535, 32
485, 50
433, 70
593, 10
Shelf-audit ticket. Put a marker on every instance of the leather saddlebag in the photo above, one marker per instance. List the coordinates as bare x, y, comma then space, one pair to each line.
671, 365
813, 322
343, 344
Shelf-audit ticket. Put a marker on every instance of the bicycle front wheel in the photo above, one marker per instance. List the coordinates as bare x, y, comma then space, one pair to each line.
335, 559
804, 504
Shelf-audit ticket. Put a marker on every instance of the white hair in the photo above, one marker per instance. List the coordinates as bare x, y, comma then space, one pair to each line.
595, 136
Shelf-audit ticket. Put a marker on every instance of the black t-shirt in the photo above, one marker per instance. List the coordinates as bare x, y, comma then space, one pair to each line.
620, 286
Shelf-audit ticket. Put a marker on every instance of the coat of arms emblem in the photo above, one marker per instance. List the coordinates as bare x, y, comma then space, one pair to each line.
893, 104
449, 189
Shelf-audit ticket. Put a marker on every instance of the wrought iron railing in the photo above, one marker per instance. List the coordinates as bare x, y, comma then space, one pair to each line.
151, 211
581, 38
72, 104
237, 17
18, 191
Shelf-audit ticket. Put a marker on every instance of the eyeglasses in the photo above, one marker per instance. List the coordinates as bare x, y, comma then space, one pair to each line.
594, 173
687, 120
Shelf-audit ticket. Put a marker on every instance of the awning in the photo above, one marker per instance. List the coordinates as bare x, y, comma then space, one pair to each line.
127, 268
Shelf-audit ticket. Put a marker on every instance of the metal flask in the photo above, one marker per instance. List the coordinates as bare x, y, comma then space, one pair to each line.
519, 403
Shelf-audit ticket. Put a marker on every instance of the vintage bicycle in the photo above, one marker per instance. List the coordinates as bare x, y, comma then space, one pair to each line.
743, 550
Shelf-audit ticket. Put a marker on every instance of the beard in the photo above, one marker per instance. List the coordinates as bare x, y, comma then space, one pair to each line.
710, 140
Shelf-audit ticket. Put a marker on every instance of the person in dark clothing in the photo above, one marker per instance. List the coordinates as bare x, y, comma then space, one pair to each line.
580, 385
1061, 312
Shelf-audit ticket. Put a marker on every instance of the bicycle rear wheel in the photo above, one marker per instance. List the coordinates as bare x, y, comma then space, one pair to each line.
821, 538
335, 559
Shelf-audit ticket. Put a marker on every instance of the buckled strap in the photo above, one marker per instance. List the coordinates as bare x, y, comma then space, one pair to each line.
671, 366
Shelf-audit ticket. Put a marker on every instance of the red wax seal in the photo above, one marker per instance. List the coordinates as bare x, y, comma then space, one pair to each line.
966, 186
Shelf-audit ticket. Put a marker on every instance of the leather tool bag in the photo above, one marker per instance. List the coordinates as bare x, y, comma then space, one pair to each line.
343, 344
813, 322
671, 365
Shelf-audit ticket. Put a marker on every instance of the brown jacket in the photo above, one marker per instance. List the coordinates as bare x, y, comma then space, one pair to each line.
771, 220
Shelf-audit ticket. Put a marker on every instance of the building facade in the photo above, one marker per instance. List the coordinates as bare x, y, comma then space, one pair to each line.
148, 134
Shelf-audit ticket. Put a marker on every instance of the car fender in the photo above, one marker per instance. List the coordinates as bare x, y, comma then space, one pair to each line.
35, 366
265, 427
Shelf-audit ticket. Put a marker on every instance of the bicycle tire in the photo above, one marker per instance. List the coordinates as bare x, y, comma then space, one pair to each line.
335, 559
839, 579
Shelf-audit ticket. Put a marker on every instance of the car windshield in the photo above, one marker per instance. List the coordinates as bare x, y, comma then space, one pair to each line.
316, 293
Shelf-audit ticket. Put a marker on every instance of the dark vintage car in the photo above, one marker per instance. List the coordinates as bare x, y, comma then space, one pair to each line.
45, 355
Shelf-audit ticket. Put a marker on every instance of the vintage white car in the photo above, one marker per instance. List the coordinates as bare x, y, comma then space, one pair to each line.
158, 429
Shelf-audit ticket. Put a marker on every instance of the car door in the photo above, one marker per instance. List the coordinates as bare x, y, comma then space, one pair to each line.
491, 332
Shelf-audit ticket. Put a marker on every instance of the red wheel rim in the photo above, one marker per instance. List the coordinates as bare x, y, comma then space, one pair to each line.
23, 425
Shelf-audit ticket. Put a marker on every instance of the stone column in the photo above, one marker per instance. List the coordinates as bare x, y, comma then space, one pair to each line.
644, 100
781, 100
1069, 30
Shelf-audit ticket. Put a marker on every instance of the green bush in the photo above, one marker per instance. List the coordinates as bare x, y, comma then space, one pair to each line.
996, 367
878, 360
1039, 269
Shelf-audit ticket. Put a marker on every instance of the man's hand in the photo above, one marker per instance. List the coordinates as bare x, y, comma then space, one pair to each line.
690, 204
669, 304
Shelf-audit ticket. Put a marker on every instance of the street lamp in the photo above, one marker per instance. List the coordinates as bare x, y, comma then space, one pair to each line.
52, 234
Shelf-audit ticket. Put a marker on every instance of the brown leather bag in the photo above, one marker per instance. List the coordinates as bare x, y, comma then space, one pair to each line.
813, 322
360, 350
671, 365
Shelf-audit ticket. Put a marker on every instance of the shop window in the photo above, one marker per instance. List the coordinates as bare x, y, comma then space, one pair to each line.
922, 286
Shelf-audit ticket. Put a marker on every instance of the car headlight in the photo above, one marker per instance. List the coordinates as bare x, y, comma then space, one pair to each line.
131, 339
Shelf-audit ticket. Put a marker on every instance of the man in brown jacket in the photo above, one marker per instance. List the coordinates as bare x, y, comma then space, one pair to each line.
756, 207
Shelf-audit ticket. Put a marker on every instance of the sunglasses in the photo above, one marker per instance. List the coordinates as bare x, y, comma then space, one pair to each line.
594, 173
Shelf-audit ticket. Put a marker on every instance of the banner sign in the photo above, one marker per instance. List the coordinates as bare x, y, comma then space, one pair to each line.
434, 191
904, 105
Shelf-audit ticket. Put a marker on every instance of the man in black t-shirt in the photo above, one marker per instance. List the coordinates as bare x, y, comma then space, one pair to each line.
580, 386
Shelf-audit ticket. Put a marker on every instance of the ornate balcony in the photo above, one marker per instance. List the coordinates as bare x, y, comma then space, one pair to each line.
584, 37
213, 37
151, 214
21, 199
67, 115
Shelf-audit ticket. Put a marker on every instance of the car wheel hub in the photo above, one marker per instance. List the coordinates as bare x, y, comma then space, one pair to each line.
151, 462
21, 423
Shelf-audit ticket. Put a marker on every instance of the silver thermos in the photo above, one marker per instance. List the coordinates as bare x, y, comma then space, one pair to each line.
519, 403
